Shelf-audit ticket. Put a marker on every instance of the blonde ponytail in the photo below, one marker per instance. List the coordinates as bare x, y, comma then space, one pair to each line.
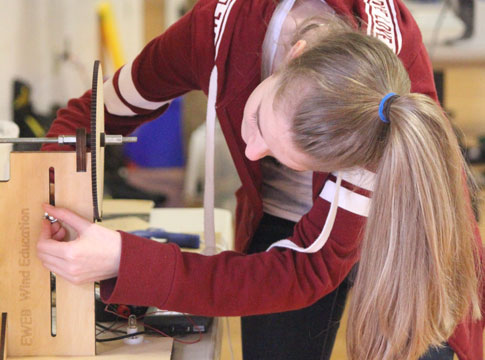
417, 277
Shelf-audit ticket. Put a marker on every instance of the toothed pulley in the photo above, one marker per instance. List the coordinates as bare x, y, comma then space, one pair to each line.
97, 140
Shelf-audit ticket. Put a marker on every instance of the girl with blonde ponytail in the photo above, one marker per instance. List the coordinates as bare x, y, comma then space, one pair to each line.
418, 275
368, 176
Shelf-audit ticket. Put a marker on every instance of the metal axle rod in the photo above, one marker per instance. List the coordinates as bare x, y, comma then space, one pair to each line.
68, 139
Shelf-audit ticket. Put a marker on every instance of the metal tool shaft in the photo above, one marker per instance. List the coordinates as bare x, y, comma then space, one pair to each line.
68, 140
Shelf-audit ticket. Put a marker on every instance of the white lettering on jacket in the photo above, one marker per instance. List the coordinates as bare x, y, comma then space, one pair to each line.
382, 23
221, 14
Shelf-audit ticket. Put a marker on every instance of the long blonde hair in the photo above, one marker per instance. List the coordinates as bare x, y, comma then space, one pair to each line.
417, 276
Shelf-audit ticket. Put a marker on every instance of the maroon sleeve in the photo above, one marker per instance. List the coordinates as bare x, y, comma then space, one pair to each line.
232, 283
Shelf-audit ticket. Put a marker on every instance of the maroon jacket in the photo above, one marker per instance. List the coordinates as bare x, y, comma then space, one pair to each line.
180, 60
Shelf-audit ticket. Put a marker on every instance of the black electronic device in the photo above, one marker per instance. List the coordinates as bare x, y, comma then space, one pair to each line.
176, 324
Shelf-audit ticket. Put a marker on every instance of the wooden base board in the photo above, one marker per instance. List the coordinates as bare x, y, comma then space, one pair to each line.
153, 348
25, 285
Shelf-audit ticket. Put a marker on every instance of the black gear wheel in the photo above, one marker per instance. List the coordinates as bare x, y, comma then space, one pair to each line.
95, 140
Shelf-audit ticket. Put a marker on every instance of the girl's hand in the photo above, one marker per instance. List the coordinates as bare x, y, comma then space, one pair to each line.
92, 256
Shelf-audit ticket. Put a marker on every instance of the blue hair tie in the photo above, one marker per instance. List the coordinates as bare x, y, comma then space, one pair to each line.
384, 106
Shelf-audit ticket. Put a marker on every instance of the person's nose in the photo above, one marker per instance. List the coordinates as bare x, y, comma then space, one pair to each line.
256, 149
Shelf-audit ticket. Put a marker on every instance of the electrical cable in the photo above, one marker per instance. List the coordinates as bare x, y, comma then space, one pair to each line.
121, 337
115, 329
151, 328
108, 328
175, 339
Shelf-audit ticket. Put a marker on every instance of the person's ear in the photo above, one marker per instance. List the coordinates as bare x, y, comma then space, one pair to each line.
296, 50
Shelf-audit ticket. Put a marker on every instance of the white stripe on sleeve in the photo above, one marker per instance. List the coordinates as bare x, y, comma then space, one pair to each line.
131, 95
338, 196
327, 227
113, 103
360, 177
348, 200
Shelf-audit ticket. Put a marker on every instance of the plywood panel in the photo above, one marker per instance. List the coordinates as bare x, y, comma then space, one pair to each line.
24, 282
152, 348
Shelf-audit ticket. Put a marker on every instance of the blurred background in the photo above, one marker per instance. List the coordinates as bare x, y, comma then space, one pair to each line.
48, 48
47, 51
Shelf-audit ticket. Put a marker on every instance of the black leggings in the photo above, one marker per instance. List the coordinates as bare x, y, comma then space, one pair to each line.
306, 334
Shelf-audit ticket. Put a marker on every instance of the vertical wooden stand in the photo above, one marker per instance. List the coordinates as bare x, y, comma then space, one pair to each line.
3, 337
25, 286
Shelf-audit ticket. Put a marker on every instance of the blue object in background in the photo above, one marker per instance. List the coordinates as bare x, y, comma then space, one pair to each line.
160, 142
191, 241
